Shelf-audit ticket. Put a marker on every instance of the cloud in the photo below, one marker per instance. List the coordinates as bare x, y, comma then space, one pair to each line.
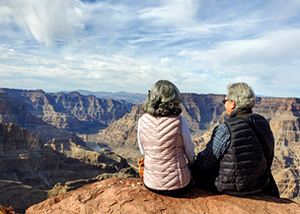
268, 50
172, 13
201, 46
47, 21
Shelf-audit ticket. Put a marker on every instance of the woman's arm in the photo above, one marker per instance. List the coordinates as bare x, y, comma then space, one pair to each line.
187, 141
139, 141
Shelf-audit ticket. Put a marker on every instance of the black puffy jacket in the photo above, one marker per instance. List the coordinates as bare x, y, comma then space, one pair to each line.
243, 167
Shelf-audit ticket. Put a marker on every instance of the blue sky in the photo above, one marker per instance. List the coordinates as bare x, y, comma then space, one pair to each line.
201, 46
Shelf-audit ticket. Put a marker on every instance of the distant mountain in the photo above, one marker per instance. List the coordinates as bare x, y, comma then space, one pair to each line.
134, 98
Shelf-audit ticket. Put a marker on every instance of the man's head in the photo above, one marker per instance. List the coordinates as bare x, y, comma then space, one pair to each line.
239, 95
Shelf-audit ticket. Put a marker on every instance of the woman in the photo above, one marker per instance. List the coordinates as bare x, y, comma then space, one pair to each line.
164, 139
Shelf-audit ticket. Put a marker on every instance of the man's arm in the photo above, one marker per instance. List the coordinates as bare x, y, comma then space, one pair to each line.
215, 148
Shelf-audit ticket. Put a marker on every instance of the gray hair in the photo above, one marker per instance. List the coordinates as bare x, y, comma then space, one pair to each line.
163, 99
242, 94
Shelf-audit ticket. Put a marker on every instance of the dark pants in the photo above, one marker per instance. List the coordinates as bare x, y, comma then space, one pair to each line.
205, 181
271, 189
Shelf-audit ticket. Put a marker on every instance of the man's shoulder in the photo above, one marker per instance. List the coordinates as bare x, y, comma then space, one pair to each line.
222, 127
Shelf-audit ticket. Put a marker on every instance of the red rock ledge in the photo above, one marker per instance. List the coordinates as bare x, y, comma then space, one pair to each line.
128, 195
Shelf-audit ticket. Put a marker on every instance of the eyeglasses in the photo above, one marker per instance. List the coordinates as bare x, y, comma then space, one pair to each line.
224, 101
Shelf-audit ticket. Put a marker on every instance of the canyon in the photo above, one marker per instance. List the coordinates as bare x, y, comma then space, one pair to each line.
57, 122
39, 160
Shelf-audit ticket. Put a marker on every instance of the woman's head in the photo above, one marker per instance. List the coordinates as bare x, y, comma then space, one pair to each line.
163, 99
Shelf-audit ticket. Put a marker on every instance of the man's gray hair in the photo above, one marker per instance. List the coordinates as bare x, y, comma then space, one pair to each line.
242, 94
163, 99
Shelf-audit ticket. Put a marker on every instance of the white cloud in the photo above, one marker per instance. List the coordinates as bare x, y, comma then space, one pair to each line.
267, 51
172, 13
47, 20
165, 60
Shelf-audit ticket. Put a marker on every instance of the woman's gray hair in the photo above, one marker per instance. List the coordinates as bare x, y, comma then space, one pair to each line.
163, 99
242, 94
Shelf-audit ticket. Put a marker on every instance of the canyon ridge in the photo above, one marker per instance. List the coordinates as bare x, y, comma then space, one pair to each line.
61, 124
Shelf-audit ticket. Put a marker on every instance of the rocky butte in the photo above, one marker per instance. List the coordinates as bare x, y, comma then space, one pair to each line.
120, 195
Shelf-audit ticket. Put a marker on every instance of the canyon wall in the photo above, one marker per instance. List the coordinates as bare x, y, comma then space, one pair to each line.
53, 117
70, 112
31, 171
38, 156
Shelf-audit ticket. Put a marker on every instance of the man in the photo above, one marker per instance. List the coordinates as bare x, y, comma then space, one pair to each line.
234, 161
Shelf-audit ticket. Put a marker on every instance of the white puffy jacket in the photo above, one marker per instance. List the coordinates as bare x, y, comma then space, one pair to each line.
165, 162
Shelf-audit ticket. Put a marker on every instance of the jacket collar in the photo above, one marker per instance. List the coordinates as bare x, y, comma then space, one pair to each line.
240, 112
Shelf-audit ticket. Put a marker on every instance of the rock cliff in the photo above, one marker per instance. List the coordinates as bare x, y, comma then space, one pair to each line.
24, 158
15, 111
201, 111
117, 195
121, 136
70, 112
284, 116
28, 167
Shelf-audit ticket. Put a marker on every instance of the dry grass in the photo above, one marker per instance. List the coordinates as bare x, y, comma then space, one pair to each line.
5, 210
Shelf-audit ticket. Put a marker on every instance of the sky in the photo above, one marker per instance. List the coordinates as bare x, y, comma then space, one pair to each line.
200, 45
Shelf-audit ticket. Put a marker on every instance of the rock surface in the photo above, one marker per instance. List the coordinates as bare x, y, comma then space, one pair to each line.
117, 195
20, 196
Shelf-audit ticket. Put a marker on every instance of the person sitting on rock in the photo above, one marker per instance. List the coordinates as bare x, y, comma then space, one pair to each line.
238, 157
164, 139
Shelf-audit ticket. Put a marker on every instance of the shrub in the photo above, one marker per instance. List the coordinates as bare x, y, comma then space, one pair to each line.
4, 210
